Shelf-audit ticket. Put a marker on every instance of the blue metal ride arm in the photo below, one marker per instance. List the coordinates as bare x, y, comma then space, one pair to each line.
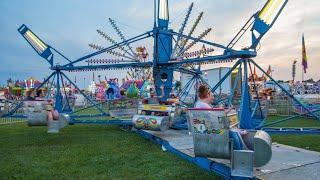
186, 87
285, 91
265, 19
60, 54
260, 23
42, 49
50, 87
184, 96
258, 104
245, 104
90, 100
45, 81
58, 95
235, 85
241, 32
255, 108
208, 59
36, 43
129, 41
66, 97
106, 66
225, 76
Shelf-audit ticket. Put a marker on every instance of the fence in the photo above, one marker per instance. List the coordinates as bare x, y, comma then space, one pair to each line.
10, 120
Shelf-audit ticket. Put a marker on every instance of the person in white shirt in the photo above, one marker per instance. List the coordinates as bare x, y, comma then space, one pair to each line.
205, 98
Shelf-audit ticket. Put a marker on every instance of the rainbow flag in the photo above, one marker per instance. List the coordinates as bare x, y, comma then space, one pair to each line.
304, 56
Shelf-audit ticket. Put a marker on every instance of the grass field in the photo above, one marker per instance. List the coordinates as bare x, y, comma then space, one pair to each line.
106, 152
296, 122
87, 152
310, 142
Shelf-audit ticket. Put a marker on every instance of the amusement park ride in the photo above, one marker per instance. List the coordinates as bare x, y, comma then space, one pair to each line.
170, 49
171, 52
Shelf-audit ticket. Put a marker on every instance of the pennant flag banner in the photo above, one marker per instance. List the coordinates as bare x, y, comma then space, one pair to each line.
304, 56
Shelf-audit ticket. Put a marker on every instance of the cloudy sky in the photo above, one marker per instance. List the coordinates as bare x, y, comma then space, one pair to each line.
69, 25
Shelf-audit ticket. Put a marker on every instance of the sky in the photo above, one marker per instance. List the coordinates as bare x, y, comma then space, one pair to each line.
69, 25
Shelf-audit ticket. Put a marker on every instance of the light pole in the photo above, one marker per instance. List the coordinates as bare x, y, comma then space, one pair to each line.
294, 70
84, 83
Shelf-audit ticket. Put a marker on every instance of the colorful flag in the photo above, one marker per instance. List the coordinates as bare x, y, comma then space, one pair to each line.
304, 56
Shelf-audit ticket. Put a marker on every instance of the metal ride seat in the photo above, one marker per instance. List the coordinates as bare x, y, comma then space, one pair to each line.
2, 107
79, 101
37, 116
155, 117
210, 132
35, 112
213, 137
123, 108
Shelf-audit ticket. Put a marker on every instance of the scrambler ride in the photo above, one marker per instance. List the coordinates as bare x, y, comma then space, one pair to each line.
230, 143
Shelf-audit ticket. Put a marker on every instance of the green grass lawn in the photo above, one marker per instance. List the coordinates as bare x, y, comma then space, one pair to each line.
296, 122
310, 142
87, 152
101, 152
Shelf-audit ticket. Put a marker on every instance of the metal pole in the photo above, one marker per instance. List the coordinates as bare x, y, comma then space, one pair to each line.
50, 87
155, 13
235, 85
58, 99
245, 105
96, 105
226, 75
65, 93
257, 93
220, 89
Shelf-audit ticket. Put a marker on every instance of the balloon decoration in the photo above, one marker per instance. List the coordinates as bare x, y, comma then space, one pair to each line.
133, 91
145, 89
101, 92
113, 92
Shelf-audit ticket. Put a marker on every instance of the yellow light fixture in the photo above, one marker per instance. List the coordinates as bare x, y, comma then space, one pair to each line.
35, 42
271, 10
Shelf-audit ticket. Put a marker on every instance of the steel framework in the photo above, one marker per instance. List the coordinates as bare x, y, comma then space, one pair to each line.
169, 57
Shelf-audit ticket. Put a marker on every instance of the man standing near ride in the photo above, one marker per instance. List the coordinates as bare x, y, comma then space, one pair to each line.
205, 98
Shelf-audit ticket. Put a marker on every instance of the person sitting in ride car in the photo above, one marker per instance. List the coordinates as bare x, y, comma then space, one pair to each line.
51, 113
205, 98
154, 99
